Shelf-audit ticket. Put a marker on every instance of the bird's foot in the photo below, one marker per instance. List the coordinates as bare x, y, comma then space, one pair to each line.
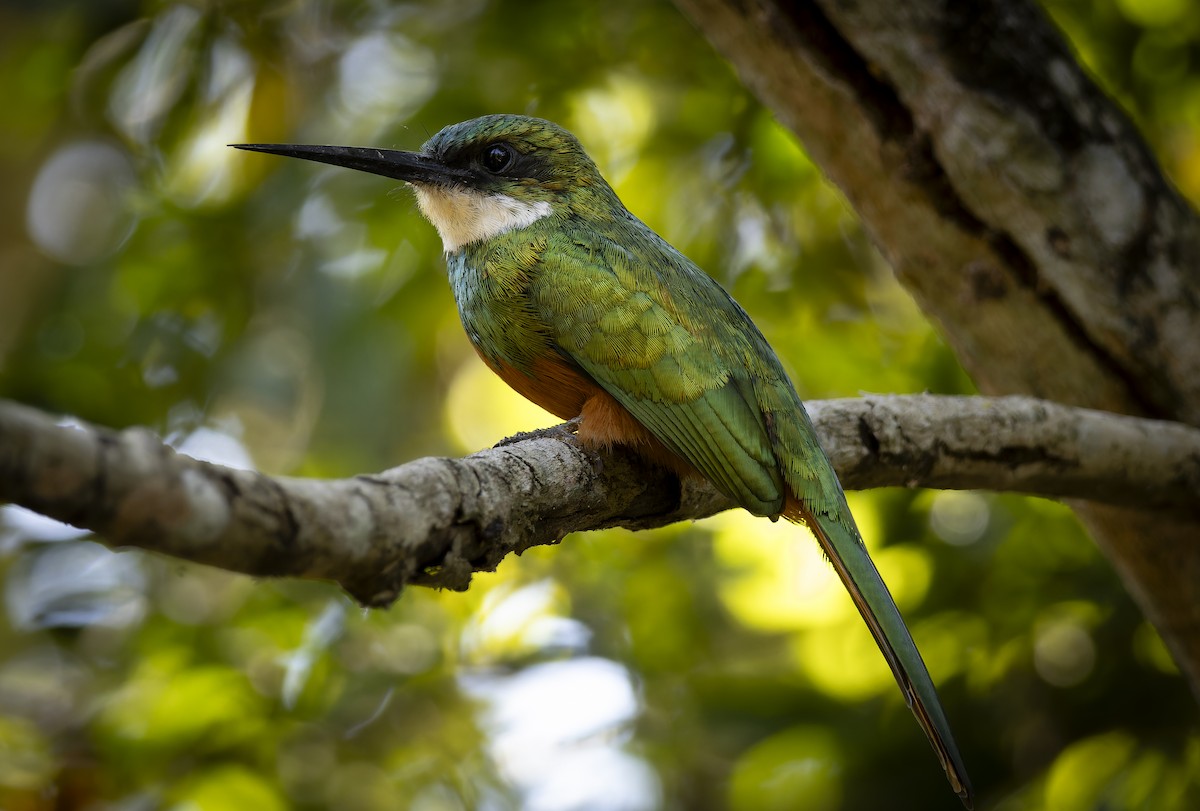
566, 430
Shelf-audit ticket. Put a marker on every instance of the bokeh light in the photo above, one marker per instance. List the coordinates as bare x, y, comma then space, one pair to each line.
79, 209
296, 319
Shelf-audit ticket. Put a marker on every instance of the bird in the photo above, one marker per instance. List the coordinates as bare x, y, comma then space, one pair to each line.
583, 309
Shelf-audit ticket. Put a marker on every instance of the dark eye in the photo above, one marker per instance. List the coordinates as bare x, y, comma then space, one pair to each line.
498, 157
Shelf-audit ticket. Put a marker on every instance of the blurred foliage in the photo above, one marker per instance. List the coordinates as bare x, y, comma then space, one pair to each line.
267, 312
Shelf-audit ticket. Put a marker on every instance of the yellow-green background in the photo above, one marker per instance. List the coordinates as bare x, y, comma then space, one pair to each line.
297, 317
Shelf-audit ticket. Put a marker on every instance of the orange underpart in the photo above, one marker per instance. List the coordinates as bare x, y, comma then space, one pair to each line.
795, 511
554, 385
606, 423
562, 390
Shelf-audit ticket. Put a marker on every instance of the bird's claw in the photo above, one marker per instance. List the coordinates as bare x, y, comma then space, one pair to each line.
566, 430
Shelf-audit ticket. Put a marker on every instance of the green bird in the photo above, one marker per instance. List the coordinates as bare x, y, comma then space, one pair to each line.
584, 310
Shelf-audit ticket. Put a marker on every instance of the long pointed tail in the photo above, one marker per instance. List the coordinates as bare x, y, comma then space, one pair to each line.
854, 566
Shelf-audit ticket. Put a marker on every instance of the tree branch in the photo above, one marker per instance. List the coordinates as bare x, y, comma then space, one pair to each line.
436, 521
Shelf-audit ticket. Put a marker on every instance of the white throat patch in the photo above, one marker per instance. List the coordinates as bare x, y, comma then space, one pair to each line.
462, 216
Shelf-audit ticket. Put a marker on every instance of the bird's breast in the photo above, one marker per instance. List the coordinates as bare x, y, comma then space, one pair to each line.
508, 334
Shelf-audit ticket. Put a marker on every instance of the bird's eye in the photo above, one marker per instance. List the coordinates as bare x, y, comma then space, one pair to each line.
498, 157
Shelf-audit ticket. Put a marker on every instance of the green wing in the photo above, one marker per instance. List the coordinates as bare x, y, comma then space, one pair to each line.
689, 379
671, 346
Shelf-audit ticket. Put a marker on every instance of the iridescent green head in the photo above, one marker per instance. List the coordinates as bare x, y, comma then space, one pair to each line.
514, 154
481, 178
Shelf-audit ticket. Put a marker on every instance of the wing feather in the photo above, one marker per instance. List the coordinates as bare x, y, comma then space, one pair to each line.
715, 393
671, 373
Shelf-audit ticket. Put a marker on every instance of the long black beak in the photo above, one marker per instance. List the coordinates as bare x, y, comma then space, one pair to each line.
413, 167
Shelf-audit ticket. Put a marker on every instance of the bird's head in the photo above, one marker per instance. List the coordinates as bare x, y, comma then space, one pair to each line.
481, 178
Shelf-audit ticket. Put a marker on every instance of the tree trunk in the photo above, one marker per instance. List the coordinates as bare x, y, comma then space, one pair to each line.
1021, 209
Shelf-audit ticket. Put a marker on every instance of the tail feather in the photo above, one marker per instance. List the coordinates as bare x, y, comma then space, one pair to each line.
844, 548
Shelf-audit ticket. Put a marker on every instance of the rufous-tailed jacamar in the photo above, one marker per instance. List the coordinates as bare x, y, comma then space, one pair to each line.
584, 310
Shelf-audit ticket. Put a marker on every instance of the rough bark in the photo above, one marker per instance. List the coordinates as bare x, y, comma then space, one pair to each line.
434, 522
1019, 206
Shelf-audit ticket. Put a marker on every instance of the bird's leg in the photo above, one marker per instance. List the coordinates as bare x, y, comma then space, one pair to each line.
563, 431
